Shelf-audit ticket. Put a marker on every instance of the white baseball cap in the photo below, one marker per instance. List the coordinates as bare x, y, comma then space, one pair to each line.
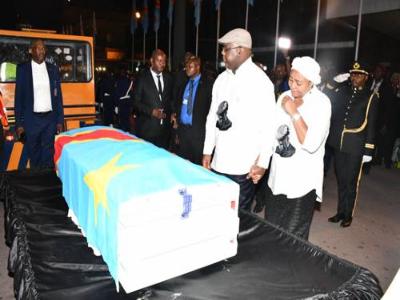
238, 36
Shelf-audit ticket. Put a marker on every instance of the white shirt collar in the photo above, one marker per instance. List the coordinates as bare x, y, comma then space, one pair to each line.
38, 66
244, 66
155, 74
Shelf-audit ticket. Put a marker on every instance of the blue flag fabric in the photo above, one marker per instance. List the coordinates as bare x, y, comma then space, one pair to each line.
133, 17
124, 169
250, 2
197, 11
145, 22
218, 4
157, 7
171, 11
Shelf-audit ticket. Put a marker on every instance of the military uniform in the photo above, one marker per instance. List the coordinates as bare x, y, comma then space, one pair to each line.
124, 101
106, 94
352, 135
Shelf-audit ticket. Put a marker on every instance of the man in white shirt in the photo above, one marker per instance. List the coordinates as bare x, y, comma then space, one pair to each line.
38, 106
239, 125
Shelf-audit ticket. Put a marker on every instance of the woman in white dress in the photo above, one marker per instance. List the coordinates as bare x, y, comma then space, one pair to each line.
297, 169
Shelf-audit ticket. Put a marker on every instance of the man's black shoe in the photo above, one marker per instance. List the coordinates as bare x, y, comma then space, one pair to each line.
336, 218
346, 222
366, 168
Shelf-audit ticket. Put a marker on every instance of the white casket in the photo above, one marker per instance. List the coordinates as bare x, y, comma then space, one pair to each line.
157, 243
158, 235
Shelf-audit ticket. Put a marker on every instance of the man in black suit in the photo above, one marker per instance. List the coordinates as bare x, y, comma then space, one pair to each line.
38, 106
352, 136
191, 110
152, 101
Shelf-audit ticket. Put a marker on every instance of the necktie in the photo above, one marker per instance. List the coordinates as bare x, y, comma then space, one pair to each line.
189, 108
159, 86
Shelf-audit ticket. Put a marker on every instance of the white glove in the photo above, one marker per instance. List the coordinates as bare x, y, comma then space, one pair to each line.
341, 77
116, 110
366, 158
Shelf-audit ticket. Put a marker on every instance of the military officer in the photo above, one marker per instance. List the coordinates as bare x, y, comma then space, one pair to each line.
352, 136
123, 100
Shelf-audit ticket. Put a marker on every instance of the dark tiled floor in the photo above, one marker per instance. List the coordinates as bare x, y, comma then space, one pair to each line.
372, 241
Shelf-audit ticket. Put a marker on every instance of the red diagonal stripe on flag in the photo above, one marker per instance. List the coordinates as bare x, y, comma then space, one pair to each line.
63, 140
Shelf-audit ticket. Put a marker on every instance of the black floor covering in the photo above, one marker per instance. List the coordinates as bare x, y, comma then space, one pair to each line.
49, 258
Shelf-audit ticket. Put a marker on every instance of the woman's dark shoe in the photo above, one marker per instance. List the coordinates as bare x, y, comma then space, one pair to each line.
346, 222
258, 207
336, 218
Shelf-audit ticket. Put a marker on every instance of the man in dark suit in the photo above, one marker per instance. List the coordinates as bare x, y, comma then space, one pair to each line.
381, 86
191, 112
352, 136
38, 106
152, 101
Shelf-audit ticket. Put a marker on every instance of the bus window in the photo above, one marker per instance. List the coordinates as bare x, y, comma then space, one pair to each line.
12, 52
72, 57
8, 72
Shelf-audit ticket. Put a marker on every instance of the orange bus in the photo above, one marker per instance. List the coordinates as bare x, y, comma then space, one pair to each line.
74, 57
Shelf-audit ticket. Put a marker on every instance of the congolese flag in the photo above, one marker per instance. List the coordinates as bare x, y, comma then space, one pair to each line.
197, 11
101, 168
157, 7
170, 12
145, 20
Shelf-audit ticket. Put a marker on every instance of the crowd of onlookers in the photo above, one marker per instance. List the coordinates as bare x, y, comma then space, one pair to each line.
383, 78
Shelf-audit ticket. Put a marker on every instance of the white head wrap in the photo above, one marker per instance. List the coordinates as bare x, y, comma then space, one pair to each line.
308, 67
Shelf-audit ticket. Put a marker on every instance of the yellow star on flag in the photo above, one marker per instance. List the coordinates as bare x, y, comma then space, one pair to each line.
98, 180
